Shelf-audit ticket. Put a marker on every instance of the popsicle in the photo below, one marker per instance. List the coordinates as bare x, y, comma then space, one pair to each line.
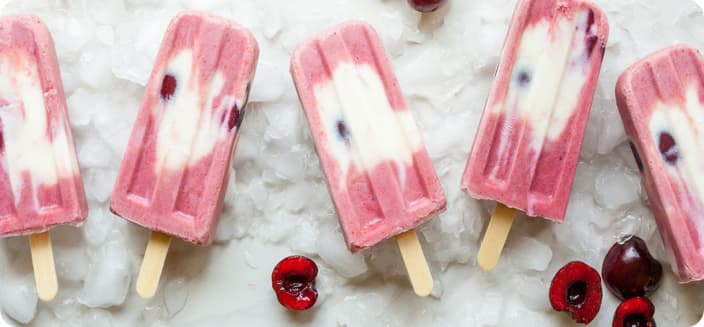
40, 182
379, 175
661, 102
527, 145
172, 179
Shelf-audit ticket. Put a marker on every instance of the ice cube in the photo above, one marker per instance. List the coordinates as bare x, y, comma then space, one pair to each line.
99, 183
176, 295
334, 252
71, 262
283, 126
491, 308
105, 35
79, 104
97, 318
288, 165
94, 66
268, 84
201, 4
99, 223
106, 11
93, 152
18, 298
527, 253
137, 42
66, 305
109, 277
616, 187
70, 34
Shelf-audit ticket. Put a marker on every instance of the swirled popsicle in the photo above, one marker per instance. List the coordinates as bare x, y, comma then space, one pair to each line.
379, 174
173, 176
527, 145
661, 102
40, 181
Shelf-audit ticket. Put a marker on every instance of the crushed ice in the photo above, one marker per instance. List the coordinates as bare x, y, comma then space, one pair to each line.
278, 203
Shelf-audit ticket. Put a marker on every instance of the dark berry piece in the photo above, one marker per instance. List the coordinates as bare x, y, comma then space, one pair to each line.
293, 281
576, 289
168, 87
342, 130
668, 148
590, 39
635, 312
639, 162
426, 5
590, 19
629, 270
235, 119
524, 78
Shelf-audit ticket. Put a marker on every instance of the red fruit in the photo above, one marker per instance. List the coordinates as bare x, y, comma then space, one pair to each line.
576, 288
630, 270
168, 87
426, 5
635, 312
293, 280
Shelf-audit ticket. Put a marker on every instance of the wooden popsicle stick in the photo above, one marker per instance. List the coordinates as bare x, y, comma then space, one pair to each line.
153, 264
43, 264
495, 237
416, 265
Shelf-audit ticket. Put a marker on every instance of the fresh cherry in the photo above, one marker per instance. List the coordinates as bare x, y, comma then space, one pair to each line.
576, 289
629, 270
635, 312
426, 5
168, 87
293, 280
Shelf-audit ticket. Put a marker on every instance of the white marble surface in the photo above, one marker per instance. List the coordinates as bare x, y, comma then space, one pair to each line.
278, 203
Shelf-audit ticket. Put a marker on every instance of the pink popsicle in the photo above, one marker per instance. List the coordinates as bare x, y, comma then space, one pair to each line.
173, 175
379, 174
527, 146
661, 101
40, 181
